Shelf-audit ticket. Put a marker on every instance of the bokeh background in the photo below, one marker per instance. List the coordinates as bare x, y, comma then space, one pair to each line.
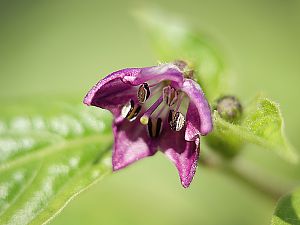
58, 49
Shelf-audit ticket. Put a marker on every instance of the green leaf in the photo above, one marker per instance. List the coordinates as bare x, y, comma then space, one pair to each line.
48, 155
174, 40
287, 211
262, 124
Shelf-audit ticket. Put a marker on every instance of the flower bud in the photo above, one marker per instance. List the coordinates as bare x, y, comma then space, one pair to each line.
229, 108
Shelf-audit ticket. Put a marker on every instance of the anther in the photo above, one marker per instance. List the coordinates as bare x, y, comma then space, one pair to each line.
154, 127
176, 120
170, 95
143, 93
130, 111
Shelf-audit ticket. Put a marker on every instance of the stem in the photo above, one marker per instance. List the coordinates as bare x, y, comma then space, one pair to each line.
250, 177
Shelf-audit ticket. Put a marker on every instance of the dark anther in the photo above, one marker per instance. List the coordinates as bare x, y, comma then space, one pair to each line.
143, 93
154, 127
170, 96
176, 120
130, 111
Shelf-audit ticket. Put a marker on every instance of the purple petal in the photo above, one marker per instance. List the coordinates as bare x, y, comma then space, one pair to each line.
157, 74
201, 121
131, 143
118, 88
192, 131
112, 92
184, 154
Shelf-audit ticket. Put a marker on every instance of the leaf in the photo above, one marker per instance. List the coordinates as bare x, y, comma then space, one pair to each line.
287, 211
48, 156
262, 124
174, 40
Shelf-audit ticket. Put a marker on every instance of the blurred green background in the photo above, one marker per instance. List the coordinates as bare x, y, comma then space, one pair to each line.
58, 49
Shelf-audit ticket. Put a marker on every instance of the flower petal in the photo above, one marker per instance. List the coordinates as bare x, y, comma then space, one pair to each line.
131, 143
116, 89
157, 74
201, 122
192, 131
112, 92
184, 154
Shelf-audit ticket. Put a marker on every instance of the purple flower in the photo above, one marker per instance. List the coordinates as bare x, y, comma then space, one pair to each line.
155, 108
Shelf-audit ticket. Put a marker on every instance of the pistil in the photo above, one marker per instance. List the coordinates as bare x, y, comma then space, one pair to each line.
145, 118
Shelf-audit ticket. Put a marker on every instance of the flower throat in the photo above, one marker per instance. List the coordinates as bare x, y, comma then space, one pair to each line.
164, 109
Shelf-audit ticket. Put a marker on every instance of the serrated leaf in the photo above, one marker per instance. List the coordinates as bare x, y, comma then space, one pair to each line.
287, 211
49, 156
262, 124
174, 40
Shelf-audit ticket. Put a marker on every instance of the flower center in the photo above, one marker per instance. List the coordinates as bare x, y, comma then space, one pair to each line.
158, 108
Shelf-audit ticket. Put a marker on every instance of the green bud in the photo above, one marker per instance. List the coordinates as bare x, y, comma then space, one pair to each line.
229, 108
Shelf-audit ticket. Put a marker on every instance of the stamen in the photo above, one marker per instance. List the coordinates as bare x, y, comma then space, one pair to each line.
127, 109
174, 97
176, 120
130, 111
143, 93
133, 115
145, 118
154, 127
170, 95
180, 98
